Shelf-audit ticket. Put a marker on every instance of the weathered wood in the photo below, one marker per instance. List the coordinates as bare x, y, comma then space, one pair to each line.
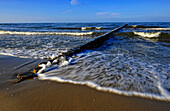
89, 45
93, 43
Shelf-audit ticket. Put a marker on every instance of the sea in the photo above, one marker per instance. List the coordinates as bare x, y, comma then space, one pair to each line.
134, 61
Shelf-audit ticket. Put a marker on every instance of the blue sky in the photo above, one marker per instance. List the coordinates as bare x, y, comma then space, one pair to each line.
84, 11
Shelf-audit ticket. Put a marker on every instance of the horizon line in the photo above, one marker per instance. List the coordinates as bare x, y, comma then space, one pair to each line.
85, 22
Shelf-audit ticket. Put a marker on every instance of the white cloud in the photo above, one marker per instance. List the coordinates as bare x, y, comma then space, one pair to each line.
74, 2
108, 14
102, 13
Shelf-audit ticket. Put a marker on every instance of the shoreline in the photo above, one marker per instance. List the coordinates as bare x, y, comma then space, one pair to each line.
49, 95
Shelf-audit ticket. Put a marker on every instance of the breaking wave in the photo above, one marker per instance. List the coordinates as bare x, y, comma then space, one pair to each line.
45, 33
142, 26
80, 28
148, 34
31, 53
115, 73
124, 65
158, 29
91, 28
164, 97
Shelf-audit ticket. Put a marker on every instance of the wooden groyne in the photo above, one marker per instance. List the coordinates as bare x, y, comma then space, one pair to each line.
93, 43
89, 45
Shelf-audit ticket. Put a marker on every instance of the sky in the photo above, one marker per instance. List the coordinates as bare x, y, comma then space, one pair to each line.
56, 11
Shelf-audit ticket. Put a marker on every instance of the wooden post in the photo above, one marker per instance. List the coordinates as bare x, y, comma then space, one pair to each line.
93, 43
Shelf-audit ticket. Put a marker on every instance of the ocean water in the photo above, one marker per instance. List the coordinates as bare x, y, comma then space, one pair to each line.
133, 61
42, 40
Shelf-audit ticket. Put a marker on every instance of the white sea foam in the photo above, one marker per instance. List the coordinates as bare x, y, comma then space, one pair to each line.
63, 62
32, 53
106, 89
99, 28
114, 73
160, 29
46, 33
91, 28
148, 34
134, 26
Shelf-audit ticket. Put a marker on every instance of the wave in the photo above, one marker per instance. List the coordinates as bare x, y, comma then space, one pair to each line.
158, 29
148, 34
142, 26
112, 81
32, 53
80, 28
163, 38
45, 33
164, 97
91, 28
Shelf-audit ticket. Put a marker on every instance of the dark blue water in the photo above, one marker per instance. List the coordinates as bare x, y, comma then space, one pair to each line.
134, 61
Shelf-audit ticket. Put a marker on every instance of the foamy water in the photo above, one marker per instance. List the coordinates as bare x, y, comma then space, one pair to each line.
38, 46
158, 29
46, 33
118, 73
148, 34
128, 64
120, 67
31, 53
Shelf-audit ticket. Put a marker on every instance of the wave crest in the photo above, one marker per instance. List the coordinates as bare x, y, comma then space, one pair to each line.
160, 29
142, 26
45, 33
148, 34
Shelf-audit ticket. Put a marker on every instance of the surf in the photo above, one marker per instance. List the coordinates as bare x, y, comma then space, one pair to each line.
148, 34
45, 33
158, 29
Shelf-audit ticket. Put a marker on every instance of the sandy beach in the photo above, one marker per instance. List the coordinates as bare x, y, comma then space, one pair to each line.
36, 95
84, 55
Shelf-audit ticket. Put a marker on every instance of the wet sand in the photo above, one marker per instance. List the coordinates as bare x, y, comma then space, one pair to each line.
36, 95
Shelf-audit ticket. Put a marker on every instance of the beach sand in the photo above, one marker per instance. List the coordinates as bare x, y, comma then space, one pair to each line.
36, 95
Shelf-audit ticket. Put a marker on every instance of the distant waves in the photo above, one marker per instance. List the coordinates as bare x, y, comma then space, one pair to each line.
45, 33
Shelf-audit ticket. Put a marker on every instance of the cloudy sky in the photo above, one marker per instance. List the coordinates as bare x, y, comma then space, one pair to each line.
84, 11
